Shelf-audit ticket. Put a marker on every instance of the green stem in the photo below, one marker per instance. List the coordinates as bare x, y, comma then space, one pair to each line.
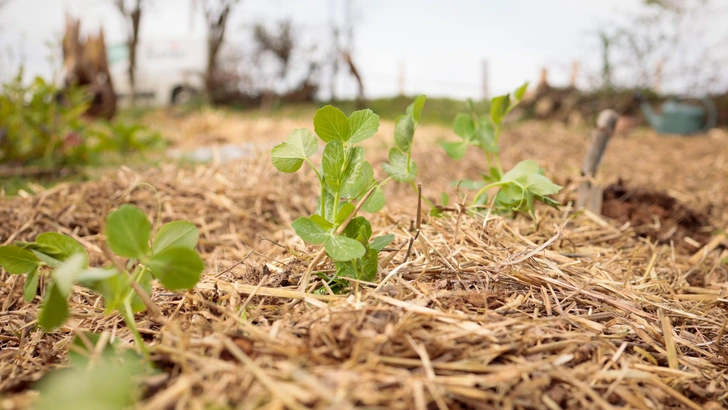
486, 188
128, 317
321, 183
336, 206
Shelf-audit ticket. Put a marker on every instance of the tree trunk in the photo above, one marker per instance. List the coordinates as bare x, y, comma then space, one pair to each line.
132, 42
215, 37
360, 99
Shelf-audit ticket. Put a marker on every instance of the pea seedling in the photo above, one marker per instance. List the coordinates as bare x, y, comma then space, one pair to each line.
345, 176
517, 188
171, 258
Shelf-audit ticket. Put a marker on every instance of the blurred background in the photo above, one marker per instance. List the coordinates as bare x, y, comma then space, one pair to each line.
117, 61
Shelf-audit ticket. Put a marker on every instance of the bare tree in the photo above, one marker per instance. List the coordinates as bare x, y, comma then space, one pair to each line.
216, 13
132, 18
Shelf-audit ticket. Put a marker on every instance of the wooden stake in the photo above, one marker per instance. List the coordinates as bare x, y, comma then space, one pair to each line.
590, 196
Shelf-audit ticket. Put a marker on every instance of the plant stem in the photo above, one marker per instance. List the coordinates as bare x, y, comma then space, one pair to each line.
486, 188
412, 184
128, 317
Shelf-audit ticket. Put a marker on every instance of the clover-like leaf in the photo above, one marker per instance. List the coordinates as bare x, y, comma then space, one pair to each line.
397, 167
521, 171
341, 248
369, 265
333, 165
331, 124
404, 132
464, 126
380, 242
16, 260
31, 286
538, 184
54, 310
177, 234
484, 136
455, 150
498, 108
289, 156
309, 231
176, 268
65, 246
363, 124
375, 202
415, 109
127, 232
352, 180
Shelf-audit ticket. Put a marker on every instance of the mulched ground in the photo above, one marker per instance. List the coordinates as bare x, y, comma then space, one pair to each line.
573, 310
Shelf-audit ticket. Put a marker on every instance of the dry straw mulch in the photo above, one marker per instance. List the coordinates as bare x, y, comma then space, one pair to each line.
572, 311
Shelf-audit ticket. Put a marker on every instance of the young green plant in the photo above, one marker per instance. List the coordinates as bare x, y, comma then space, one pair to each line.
519, 187
346, 177
171, 258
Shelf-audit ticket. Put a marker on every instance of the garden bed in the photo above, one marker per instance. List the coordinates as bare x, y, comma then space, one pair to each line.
573, 311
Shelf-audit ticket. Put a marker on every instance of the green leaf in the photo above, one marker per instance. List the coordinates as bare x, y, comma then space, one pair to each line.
380, 242
16, 260
404, 132
111, 386
397, 167
54, 310
47, 259
309, 231
363, 124
347, 269
67, 273
333, 165
455, 150
331, 124
369, 265
137, 305
344, 212
521, 171
341, 248
375, 202
322, 222
464, 126
498, 108
360, 229
65, 245
176, 268
519, 93
353, 176
468, 184
415, 109
112, 285
127, 232
445, 199
538, 184
484, 136
177, 234
288, 156
31, 285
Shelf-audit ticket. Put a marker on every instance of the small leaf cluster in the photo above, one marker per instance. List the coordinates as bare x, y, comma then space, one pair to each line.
110, 381
517, 188
170, 257
345, 176
401, 167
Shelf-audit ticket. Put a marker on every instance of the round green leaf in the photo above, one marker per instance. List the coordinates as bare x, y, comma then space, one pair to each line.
455, 150
330, 124
177, 234
54, 310
464, 126
404, 132
176, 268
309, 231
341, 248
65, 245
127, 232
363, 125
333, 165
16, 260
288, 156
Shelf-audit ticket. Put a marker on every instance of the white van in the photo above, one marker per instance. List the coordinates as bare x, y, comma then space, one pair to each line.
168, 71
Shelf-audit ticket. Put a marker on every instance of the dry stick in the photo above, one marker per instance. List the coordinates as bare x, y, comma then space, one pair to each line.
235, 265
320, 255
590, 196
419, 206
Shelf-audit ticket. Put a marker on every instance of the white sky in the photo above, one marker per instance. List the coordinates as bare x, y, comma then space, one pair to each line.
440, 43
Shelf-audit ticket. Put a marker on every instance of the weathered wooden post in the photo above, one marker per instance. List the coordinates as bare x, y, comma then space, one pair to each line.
590, 194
